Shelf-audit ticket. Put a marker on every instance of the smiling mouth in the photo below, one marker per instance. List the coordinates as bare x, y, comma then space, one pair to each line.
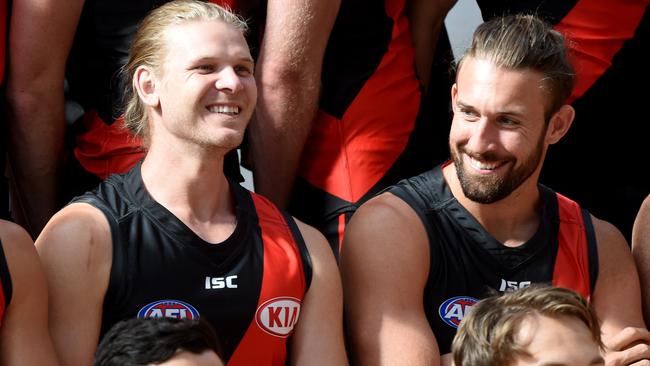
484, 165
231, 110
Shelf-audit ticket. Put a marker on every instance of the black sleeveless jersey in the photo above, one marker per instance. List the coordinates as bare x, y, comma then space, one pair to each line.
249, 287
467, 263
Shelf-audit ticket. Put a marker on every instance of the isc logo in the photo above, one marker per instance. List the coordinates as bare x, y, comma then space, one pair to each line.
453, 310
278, 315
169, 309
513, 285
215, 283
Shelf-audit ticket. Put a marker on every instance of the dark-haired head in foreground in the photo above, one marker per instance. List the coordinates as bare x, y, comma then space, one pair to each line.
147, 341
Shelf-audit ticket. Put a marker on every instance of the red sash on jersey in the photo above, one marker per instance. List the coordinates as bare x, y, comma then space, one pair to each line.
107, 149
572, 262
283, 283
346, 157
596, 33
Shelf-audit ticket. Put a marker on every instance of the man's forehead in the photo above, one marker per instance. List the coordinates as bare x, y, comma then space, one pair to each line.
183, 39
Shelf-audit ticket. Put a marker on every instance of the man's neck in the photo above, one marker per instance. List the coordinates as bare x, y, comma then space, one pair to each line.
194, 189
512, 220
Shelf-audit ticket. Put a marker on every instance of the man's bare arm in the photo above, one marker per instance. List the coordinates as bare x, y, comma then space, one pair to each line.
41, 34
288, 77
641, 253
76, 251
24, 336
617, 299
384, 267
318, 339
426, 18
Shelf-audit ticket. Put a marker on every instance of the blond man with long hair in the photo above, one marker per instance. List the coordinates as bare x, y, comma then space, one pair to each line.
174, 236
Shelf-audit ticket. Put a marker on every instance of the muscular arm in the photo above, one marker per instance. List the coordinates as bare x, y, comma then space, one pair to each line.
40, 37
75, 248
24, 336
617, 299
384, 266
318, 339
426, 18
641, 252
288, 78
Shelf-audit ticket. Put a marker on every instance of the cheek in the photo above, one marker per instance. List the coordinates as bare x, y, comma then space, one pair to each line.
459, 133
519, 144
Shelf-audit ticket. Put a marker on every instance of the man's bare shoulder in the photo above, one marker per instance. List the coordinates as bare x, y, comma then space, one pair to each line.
80, 217
386, 216
18, 248
386, 232
79, 230
12, 233
613, 250
608, 236
641, 231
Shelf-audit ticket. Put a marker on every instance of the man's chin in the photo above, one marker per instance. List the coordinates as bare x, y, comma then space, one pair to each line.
483, 192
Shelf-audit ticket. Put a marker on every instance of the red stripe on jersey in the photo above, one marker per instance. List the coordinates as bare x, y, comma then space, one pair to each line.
283, 278
596, 33
341, 230
107, 149
347, 157
572, 262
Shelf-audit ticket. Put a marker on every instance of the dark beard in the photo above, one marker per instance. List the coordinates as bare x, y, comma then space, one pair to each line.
486, 190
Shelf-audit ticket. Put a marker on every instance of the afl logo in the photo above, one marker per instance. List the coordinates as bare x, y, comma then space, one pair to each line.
169, 309
278, 316
453, 310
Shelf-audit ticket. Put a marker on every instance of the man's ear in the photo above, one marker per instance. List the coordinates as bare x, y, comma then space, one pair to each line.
559, 124
145, 83
454, 95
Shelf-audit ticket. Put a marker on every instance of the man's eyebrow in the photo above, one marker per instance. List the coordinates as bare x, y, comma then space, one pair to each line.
464, 105
211, 58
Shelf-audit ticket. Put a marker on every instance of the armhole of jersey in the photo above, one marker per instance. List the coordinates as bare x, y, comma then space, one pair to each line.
5, 279
592, 249
302, 248
406, 194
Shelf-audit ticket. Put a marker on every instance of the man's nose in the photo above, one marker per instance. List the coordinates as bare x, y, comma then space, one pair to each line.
483, 136
228, 80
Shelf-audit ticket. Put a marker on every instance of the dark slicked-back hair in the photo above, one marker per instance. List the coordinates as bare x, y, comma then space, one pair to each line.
520, 42
487, 336
142, 341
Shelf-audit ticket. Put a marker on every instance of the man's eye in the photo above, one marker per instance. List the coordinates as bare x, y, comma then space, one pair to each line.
469, 114
243, 70
205, 68
508, 122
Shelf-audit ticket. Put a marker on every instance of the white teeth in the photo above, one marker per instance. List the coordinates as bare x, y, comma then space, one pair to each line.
227, 109
482, 165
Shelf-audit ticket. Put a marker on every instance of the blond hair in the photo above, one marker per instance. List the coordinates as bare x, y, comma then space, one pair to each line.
487, 335
149, 49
